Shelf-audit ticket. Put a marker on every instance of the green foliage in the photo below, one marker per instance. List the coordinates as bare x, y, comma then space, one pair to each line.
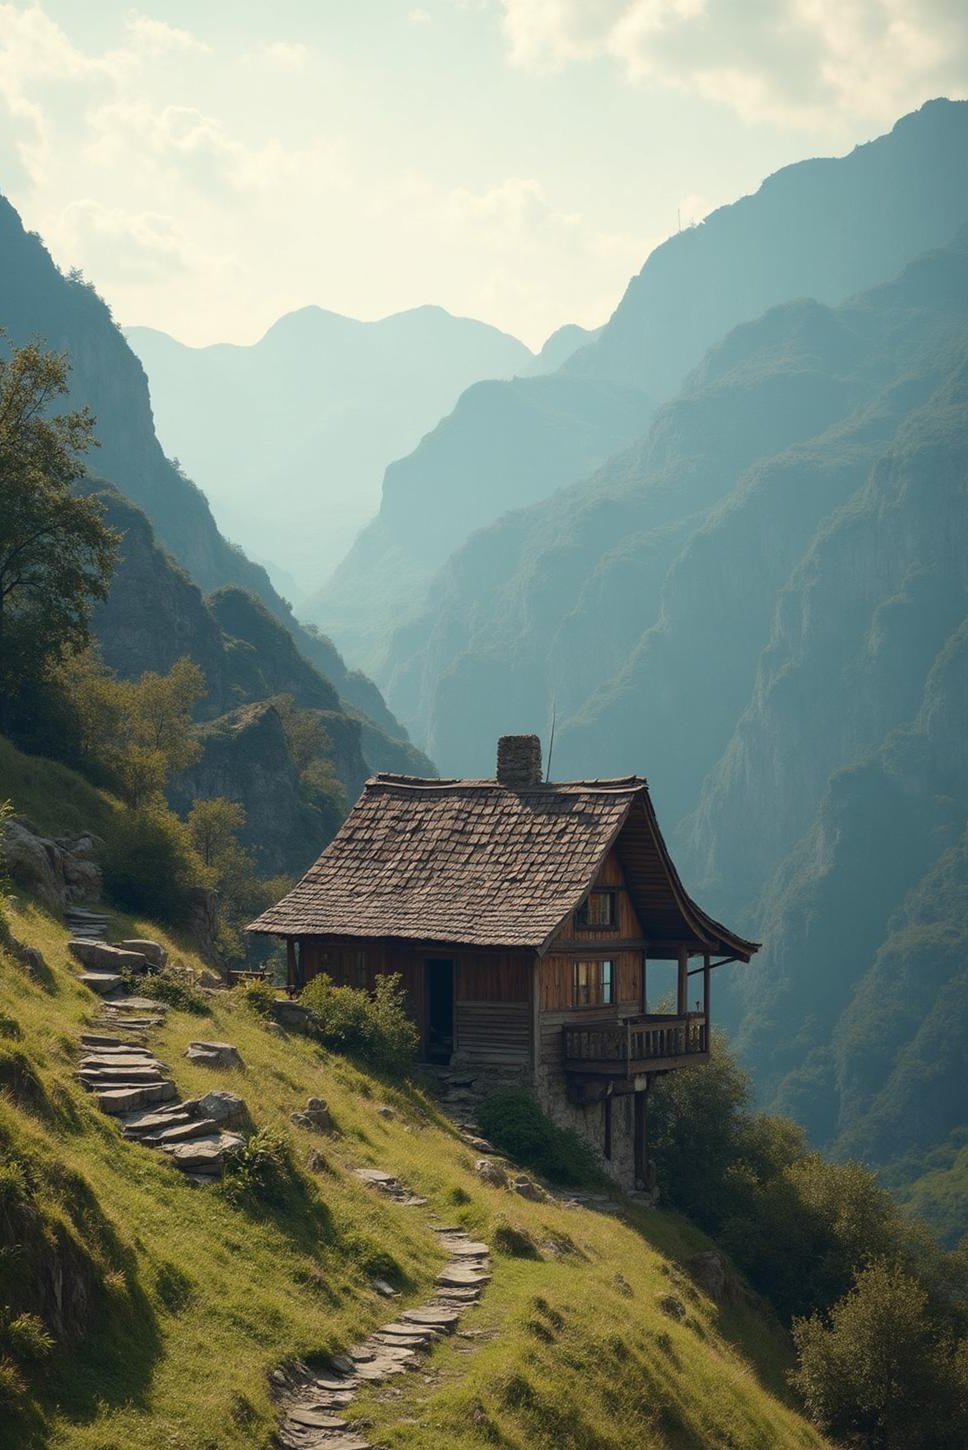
877, 1368
178, 987
798, 1225
56, 554
312, 750
513, 1121
371, 1026
513, 1241
151, 865
258, 997
132, 733
261, 1172
26, 1337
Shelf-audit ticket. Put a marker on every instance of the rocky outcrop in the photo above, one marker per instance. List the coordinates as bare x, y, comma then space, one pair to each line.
57, 870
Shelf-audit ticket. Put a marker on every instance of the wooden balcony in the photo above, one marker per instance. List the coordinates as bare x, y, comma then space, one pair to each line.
635, 1045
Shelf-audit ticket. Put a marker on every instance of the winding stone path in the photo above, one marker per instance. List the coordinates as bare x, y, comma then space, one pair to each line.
313, 1404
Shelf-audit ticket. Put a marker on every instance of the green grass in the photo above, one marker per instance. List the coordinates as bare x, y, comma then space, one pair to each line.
56, 800
193, 1300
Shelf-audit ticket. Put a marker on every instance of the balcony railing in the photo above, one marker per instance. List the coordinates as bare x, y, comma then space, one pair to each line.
635, 1044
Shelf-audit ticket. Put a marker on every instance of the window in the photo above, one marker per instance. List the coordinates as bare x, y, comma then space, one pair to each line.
593, 984
597, 910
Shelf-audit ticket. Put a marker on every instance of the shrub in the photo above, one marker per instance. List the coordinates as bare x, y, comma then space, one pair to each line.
263, 1171
151, 864
178, 987
371, 1026
877, 1368
27, 1338
257, 996
513, 1121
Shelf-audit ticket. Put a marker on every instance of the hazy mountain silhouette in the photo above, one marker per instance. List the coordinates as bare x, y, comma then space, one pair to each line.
327, 402
820, 228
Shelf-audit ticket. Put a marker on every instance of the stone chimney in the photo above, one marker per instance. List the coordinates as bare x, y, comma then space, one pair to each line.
519, 761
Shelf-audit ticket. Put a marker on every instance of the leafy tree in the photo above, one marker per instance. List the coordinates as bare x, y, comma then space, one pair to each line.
134, 733
56, 552
877, 1369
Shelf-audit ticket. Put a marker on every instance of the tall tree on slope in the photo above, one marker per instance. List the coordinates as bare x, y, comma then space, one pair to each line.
56, 552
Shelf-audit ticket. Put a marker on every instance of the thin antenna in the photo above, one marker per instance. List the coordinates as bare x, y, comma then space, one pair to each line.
551, 743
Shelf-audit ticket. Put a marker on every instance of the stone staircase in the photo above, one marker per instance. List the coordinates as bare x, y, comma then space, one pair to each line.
136, 1088
86, 925
313, 1404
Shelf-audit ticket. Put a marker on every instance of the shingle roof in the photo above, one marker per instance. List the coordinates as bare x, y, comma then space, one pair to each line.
471, 861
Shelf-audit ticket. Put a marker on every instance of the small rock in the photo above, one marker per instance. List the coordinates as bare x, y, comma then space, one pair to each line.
672, 1306
101, 982
206, 1155
526, 1189
210, 979
316, 1163
223, 1106
385, 1112
490, 1172
480, 1145
215, 1054
387, 1290
275, 1029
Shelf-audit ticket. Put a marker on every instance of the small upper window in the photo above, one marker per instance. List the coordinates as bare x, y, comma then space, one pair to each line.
597, 910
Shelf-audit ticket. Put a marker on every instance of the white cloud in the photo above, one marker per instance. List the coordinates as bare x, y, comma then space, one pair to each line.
804, 62
285, 55
419, 17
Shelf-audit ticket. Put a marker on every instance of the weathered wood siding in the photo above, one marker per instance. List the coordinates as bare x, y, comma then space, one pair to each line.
493, 1007
492, 990
627, 927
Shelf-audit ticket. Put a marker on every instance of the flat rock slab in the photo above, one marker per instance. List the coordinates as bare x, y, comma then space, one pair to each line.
449, 1228
140, 1073
152, 950
102, 958
460, 1278
140, 1004
319, 1419
450, 1295
154, 1123
184, 1132
205, 1153
435, 1318
129, 1057
375, 1176
405, 1341
123, 1100
100, 982
468, 1250
105, 1043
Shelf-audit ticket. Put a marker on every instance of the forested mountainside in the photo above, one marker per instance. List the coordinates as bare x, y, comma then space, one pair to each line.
822, 228
758, 607
37, 300
328, 402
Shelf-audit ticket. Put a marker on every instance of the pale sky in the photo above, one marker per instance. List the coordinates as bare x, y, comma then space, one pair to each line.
211, 164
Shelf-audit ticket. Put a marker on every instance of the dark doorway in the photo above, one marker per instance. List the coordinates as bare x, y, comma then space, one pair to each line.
439, 997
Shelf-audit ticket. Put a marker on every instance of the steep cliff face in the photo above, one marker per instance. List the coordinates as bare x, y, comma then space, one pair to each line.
506, 444
37, 300
760, 607
823, 229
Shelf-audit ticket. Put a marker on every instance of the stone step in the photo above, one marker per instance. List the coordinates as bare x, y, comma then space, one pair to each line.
134, 1024
121, 1062
377, 1177
148, 1132
138, 1004
184, 1132
125, 1100
459, 1249
450, 1295
458, 1277
406, 1341
318, 1419
435, 1318
205, 1155
129, 1076
100, 982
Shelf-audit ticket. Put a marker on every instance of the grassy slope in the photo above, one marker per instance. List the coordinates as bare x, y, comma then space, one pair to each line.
195, 1300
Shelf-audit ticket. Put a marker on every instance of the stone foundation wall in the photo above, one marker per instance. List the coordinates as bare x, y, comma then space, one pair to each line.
589, 1124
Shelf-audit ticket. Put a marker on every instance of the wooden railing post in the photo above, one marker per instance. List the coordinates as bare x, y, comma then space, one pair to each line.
682, 985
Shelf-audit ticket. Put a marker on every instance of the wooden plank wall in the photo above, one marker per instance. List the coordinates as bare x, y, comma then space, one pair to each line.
628, 927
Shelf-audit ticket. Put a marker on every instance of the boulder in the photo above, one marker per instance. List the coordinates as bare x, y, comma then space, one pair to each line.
290, 1014
708, 1271
152, 951
527, 1189
104, 958
205, 1155
314, 1115
207, 978
223, 1107
57, 871
490, 1172
214, 1054
101, 982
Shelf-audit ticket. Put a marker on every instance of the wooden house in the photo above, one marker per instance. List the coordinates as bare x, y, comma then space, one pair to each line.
535, 926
